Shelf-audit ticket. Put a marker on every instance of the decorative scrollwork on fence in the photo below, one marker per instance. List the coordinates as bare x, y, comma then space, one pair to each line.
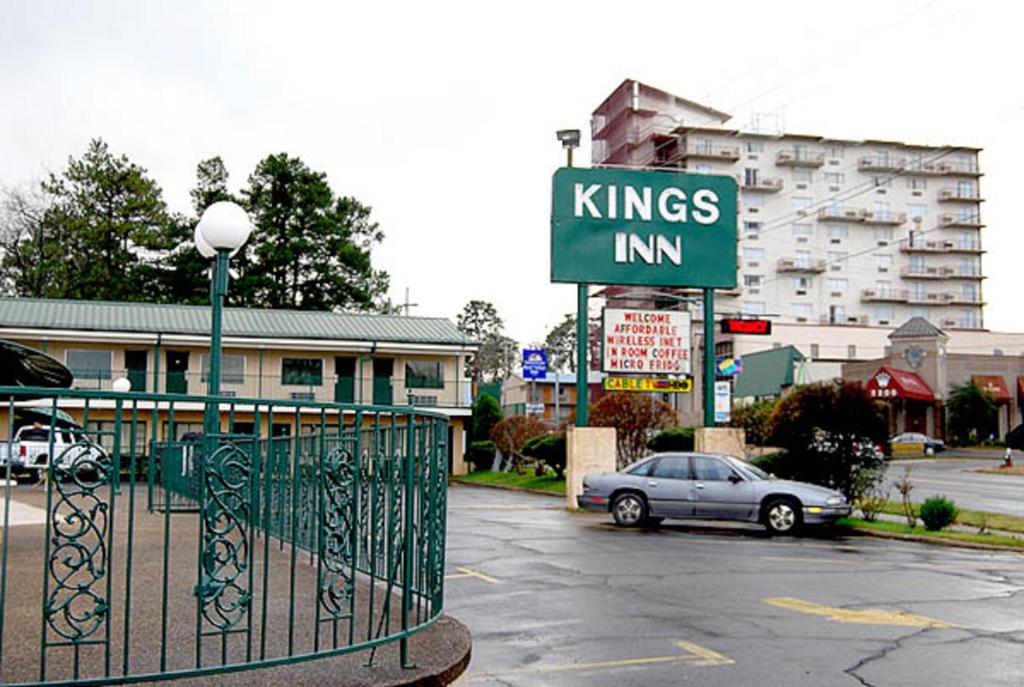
337, 520
224, 599
75, 607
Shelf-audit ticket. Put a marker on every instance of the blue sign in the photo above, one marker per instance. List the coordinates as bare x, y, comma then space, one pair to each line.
535, 363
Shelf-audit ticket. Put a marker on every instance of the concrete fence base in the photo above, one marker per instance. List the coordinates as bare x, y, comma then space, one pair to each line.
588, 450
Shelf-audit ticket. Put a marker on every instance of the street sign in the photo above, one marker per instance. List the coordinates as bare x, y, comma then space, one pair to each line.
723, 402
664, 386
727, 367
535, 363
731, 325
653, 228
535, 409
645, 341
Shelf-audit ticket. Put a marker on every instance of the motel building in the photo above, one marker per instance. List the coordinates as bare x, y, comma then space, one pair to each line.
383, 360
919, 369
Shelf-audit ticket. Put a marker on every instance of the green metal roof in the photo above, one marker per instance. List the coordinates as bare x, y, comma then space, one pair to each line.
154, 318
767, 373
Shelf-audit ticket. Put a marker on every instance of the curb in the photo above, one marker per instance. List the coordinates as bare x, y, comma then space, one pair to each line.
502, 487
936, 541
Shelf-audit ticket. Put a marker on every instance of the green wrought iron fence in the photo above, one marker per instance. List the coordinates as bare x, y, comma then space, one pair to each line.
229, 551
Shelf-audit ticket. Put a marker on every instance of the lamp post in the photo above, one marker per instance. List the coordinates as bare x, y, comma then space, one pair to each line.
221, 232
570, 139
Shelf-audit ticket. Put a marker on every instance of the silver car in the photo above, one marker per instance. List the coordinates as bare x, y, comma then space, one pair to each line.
713, 487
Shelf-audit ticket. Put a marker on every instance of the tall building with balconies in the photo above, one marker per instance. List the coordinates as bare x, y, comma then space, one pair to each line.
831, 231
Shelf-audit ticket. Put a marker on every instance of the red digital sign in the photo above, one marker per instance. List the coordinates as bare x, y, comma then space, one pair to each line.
736, 326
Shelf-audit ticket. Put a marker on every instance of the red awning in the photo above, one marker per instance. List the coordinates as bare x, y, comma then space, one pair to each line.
889, 382
1020, 389
995, 385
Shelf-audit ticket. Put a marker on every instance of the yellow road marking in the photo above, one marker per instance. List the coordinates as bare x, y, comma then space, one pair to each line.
695, 655
469, 572
867, 616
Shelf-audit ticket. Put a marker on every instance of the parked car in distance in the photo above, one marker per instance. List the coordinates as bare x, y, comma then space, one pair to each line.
30, 449
1015, 438
909, 439
712, 487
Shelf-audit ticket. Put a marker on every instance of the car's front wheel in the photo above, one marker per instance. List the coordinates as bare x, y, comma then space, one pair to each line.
782, 516
629, 510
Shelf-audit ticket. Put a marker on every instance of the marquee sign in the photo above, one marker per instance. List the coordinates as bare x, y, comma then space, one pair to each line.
645, 341
654, 228
664, 386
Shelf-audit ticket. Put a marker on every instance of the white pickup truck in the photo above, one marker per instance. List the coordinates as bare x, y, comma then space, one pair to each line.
30, 450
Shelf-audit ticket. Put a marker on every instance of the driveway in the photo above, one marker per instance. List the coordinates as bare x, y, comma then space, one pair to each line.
560, 598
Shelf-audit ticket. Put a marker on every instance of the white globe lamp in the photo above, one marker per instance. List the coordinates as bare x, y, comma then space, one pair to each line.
224, 226
205, 249
122, 385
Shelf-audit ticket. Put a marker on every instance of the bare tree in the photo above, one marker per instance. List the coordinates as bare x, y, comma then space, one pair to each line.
633, 416
23, 240
512, 433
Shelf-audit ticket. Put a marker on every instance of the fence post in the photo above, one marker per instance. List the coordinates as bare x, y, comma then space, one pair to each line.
407, 537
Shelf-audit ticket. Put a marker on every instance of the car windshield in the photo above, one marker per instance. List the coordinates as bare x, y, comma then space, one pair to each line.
751, 472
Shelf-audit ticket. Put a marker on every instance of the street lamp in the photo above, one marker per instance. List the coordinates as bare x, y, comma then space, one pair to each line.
221, 232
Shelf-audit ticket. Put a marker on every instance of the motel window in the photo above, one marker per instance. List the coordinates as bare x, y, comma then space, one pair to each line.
302, 371
838, 231
750, 253
753, 308
424, 374
755, 146
800, 310
752, 228
753, 280
800, 202
835, 178
89, 364
232, 368
833, 151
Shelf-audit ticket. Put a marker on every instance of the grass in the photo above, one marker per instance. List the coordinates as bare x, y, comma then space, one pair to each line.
1016, 470
940, 536
512, 480
971, 518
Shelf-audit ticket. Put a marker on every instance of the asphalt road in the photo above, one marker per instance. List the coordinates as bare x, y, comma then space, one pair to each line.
560, 598
952, 477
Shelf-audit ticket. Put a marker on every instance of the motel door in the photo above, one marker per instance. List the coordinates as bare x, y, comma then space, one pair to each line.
916, 417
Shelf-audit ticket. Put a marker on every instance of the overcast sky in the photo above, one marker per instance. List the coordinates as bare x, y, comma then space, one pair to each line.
442, 116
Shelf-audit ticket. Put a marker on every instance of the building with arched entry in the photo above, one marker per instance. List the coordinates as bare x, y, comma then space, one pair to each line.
919, 370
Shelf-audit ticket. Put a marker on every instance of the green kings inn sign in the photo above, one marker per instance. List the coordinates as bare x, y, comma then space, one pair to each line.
650, 228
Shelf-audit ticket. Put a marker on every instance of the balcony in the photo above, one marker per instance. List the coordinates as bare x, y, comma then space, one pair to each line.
956, 195
702, 151
883, 217
939, 272
930, 298
964, 221
968, 247
800, 265
958, 168
881, 163
799, 158
838, 214
966, 299
764, 185
444, 393
883, 296
852, 320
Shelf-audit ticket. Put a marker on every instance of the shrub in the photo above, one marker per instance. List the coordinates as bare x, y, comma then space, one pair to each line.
633, 416
549, 450
829, 431
486, 414
511, 434
937, 513
773, 463
672, 439
755, 419
481, 455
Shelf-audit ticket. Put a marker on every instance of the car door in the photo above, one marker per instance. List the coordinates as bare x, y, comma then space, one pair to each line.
719, 491
669, 488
